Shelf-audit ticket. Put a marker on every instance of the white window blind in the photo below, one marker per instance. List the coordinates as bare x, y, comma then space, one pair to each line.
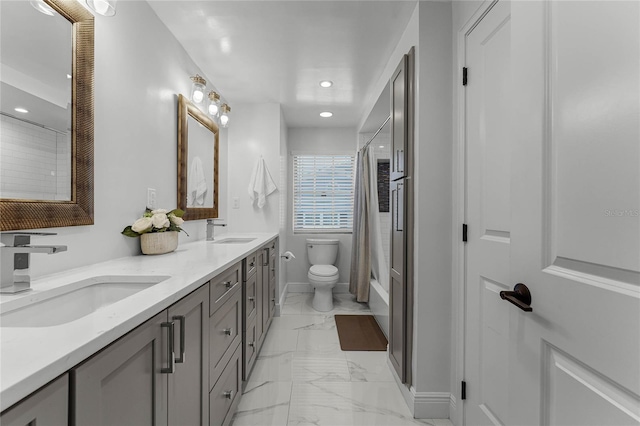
323, 193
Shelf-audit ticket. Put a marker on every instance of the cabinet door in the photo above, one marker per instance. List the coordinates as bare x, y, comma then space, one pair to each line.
123, 384
188, 386
47, 406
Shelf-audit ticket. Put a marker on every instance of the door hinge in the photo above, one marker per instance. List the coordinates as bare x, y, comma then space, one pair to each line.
464, 76
464, 232
463, 390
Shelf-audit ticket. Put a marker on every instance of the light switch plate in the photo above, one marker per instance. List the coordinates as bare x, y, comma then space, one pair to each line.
151, 198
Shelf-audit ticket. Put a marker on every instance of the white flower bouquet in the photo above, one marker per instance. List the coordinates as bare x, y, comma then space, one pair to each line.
159, 220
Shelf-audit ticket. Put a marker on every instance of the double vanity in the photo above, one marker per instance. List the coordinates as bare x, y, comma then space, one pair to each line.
163, 340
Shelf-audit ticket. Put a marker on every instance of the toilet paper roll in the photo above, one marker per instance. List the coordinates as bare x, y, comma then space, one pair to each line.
287, 255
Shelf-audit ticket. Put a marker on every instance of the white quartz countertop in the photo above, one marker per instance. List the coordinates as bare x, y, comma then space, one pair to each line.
30, 357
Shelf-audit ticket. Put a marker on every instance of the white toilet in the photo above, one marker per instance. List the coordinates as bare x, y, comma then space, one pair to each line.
323, 276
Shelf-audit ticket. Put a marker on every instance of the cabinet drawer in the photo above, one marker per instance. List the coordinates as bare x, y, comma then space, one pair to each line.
225, 333
250, 349
225, 395
249, 264
222, 286
249, 299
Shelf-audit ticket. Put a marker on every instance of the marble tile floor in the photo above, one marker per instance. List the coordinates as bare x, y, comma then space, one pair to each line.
301, 376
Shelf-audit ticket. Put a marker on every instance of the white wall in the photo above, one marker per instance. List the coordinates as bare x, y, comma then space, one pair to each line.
433, 205
254, 132
316, 141
139, 70
429, 30
284, 201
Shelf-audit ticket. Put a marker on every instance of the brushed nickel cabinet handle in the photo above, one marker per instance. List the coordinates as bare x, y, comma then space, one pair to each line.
227, 284
228, 394
251, 344
182, 320
170, 355
228, 331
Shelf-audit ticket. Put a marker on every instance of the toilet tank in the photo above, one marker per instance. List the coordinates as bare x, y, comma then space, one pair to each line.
322, 252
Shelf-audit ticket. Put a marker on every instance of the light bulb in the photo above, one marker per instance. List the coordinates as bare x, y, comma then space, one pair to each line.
197, 96
326, 114
214, 104
197, 89
224, 115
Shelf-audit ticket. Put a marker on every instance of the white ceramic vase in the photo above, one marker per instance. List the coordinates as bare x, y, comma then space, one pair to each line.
159, 242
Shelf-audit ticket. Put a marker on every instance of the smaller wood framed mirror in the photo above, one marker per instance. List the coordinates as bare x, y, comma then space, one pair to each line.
197, 162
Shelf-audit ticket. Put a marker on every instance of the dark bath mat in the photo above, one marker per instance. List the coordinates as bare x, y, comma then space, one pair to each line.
360, 333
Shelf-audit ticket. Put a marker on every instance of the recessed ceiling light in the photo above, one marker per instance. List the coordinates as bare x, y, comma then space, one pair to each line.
326, 83
22, 110
326, 114
381, 146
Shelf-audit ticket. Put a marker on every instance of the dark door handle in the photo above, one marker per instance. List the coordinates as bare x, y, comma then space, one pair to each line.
520, 296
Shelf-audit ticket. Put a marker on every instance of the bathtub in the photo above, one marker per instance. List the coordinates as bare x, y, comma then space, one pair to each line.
379, 305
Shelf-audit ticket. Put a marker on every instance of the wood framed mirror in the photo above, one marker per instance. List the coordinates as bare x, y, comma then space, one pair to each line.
26, 210
197, 162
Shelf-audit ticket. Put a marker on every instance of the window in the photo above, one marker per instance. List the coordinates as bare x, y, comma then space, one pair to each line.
323, 193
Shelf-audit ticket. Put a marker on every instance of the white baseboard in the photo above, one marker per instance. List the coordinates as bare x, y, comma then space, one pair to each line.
306, 288
424, 405
431, 405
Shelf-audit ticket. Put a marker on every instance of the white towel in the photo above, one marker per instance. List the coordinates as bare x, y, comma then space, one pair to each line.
261, 184
197, 186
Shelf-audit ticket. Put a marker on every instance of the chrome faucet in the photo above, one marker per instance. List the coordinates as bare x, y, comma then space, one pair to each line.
210, 226
15, 259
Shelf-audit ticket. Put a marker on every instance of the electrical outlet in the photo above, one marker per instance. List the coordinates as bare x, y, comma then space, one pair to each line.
151, 198
236, 202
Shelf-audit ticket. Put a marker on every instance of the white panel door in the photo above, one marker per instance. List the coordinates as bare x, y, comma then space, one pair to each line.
488, 207
575, 225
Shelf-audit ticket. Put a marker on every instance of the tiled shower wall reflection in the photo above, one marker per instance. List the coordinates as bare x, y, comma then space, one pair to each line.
35, 163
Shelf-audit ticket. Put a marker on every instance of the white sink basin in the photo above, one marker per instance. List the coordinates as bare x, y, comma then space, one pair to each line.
73, 301
234, 241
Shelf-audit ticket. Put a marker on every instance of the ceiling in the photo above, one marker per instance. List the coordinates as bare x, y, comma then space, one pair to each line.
279, 51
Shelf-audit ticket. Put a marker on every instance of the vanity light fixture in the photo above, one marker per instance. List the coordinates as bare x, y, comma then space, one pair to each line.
326, 114
42, 7
214, 104
20, 109
224, 115
103, 7
197, 88
326, 83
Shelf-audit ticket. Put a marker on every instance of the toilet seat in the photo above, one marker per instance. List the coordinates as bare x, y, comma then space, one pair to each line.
322, 271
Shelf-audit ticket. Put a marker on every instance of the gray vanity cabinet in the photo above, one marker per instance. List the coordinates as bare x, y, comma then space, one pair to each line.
124, 384
47, 406
135, 381
188, 386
